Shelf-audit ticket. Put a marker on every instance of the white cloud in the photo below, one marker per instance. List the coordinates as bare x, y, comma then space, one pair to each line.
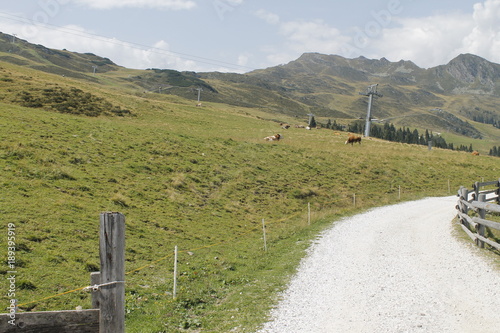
484, 38
160, 4
435, 40
77, 39
243, 59
316, 36
305, 36
269, 17
427, 41
279, 58
157, 56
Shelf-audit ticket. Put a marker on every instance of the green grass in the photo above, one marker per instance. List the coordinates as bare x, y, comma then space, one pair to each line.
199, 178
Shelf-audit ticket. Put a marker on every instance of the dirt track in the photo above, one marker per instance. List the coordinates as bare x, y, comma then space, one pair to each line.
393, 269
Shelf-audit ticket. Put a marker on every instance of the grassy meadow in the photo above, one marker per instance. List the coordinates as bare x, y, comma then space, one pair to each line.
200, 178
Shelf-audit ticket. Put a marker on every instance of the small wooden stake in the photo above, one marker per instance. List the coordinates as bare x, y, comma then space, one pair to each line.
264, 231
308, 213
174, 293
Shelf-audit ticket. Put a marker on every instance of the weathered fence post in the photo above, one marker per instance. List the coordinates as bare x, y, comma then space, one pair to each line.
476, 188
498, 192
481, 229
464, 194
112, 289
95, 279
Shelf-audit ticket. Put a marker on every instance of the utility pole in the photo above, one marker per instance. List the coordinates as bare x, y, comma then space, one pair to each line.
311, 117
94, 68
372, 90
199, 93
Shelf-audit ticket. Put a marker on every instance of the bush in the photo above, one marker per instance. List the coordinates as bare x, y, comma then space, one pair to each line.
69, 100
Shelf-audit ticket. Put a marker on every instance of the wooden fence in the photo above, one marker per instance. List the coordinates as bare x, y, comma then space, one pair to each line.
107, 287
474, 206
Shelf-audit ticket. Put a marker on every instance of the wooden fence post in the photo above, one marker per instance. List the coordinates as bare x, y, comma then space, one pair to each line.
481, 229
464, 194
476, 187
112, 289
95, 279
498, 192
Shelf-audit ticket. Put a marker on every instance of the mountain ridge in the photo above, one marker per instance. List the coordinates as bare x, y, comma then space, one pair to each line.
329, 86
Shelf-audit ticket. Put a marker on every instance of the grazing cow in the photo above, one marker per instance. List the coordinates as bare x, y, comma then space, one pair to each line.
199, 104
285, 126
352, 139
475, 153
275, 137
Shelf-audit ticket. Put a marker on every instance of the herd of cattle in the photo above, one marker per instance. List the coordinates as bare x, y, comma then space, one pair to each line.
350, 139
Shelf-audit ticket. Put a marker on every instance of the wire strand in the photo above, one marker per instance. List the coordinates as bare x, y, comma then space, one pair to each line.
156, 261
133, 45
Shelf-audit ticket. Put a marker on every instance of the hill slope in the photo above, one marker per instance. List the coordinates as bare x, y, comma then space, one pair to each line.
465, 90
199, 178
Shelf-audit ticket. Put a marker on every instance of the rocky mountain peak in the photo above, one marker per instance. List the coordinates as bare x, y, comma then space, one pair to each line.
469, 69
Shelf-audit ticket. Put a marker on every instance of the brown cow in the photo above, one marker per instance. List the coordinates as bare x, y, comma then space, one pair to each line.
275, 137
352, 139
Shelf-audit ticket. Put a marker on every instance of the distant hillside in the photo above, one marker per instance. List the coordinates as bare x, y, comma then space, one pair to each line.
465, 91
329, 86
71, 64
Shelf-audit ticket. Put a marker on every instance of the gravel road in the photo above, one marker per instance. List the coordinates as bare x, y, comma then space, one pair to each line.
392, 269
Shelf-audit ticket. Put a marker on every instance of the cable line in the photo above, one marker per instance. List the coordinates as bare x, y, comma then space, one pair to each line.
132, 45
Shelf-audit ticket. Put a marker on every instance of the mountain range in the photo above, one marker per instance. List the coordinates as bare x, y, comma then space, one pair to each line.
442, 98
458, 97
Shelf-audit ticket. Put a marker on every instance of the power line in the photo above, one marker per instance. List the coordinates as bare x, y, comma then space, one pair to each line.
132, 45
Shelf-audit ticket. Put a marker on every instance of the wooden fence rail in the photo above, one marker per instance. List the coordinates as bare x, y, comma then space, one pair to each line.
478, 201
108, 293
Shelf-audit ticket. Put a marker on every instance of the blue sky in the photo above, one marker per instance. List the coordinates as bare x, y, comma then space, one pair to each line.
241, 35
